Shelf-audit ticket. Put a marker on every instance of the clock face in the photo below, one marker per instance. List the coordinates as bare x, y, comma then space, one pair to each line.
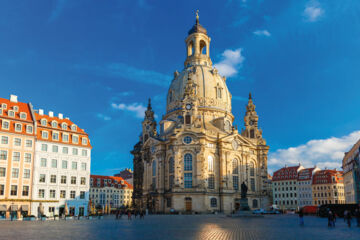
188, 106
251, 122
147, 127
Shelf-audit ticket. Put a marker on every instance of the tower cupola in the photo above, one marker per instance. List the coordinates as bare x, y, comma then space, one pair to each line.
198, 45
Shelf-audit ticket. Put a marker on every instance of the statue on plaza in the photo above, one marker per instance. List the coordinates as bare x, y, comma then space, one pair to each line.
244, 190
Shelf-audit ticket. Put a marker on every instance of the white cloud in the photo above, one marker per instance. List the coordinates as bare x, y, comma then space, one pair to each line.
313, 11
265, 33
320, 152
103, 117
136, 108
231, 62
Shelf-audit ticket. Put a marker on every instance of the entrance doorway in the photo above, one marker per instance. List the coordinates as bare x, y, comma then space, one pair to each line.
188, 204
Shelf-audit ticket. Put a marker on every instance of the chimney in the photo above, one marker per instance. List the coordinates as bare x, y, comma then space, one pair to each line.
51, 114
13, 98
41, 112
61, 116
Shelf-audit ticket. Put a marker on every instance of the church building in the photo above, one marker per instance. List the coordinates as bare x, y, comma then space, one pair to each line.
198, 159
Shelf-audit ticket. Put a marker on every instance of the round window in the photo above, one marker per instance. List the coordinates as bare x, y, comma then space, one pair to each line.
187, 140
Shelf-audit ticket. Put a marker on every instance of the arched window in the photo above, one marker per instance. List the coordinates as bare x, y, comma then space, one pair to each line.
43, 122
210, 164
154, 168
191, 49
235, 172
203, 47
171, 165
255, 203
188, 162
213, 202
252, 133
54, 124
252, 169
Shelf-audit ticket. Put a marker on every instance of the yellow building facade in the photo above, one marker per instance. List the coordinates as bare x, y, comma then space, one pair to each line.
198, 160
328, 187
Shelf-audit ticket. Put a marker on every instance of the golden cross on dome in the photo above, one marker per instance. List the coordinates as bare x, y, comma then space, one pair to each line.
197, 15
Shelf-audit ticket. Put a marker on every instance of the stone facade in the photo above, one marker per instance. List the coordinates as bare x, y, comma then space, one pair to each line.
198, 159
350, 165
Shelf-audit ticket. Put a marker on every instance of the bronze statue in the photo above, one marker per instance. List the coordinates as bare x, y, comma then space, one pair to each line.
244, 190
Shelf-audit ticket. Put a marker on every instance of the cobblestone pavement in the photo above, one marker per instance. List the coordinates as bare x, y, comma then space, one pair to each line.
202, 227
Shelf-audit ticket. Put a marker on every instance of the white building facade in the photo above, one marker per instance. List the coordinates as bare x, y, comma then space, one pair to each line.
61, 167
304, 187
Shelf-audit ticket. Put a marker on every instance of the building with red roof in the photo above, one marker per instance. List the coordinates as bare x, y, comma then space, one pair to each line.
110, 191
304, 188
328, 187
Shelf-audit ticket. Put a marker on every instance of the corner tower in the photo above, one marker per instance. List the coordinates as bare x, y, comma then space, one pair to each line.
149, 123
251, 121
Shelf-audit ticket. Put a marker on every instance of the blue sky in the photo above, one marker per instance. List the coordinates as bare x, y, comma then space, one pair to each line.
98, 62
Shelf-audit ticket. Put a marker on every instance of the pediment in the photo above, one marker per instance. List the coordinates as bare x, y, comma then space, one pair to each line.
240, 140
151, 142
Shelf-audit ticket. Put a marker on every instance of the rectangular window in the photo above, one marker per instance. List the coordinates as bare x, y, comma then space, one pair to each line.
82, 195
44, 147
27, 157
43, 162
74, 165
18, 127
2, 171
65, 150
83, 166
41, 193
17, 142
75, 139
62, 194
63, 179
171, 181
52, 178
211, 181
53, 163
52, 193
55, 148
13, 191
75, 151
16, 156
73, 180
84, 153
83, 181
5, 125
65, 137
15, 173
25, 191
55, 136
28, 143
42, 178
3, 155
27, 173
64, 164
4, 140
236, 182
72, 194
29, 129
44, 134
252, 184
188, 180
2, 189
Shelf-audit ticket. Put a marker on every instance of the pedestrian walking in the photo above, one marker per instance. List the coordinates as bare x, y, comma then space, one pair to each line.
357, 216
348, 218
345, 214
330, 219
129, 215
301, 217
117, 214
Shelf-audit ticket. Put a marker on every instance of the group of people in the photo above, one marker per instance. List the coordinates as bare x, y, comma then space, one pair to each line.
130, 213
332, 218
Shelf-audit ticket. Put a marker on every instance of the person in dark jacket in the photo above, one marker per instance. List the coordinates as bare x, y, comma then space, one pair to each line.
301, 217
348, 218
330, 219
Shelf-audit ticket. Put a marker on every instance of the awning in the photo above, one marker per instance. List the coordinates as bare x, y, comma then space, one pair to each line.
24, 208
3, 208
13, 208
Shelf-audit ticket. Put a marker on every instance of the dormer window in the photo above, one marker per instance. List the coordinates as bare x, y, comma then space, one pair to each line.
54, 124
16, 108
18, 127
4, 106
73, 127
84, 141
43, 122
45, 134
64, 126
11, 113
23, 115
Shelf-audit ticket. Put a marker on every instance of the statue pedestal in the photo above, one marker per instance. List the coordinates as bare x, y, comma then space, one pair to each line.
244, 205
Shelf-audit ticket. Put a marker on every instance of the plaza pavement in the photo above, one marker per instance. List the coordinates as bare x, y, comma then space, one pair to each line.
182, 227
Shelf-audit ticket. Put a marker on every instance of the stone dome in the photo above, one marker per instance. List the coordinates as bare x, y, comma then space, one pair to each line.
211, 90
